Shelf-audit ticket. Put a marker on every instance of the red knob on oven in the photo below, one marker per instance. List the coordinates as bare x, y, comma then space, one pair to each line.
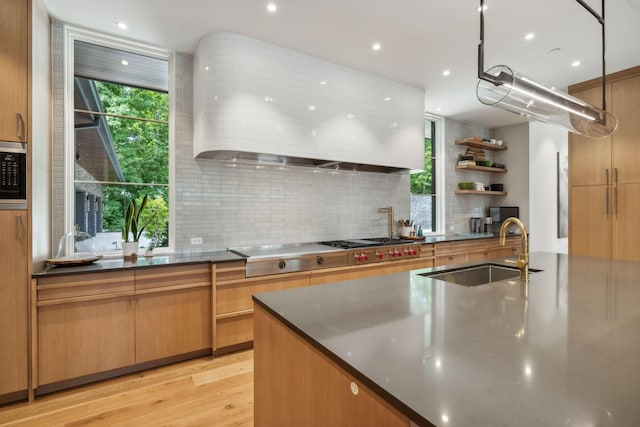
366, 257
380, 255
399, 253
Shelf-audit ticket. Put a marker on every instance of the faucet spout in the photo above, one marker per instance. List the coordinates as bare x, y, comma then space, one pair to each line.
388, 210
523, 260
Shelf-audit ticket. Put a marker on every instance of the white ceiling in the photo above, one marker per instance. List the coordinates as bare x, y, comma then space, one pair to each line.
419, 38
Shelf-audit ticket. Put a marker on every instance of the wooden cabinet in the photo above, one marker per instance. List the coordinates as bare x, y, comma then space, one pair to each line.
447, 253
604, 175
13, 305
173, 311
14, 69
96, 325
85, 325
233, 305
297, 385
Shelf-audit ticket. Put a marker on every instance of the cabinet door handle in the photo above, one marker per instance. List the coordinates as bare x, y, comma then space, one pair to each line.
615, 200
19, 218
20, 125
606, 174
615, 174
606, 201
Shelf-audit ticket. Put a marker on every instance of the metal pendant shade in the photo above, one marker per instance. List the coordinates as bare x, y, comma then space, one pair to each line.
500, 86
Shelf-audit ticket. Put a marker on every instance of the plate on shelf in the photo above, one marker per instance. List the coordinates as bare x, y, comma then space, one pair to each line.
77, 259
413, 237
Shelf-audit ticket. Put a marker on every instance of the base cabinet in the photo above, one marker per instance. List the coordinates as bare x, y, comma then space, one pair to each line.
96, 325
296, 385
13, 305
83, 338
475, 250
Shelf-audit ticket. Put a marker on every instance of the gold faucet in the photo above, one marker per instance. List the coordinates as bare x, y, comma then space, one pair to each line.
388, 210
523, 260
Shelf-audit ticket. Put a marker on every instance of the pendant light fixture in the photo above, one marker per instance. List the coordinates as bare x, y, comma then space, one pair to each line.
502, 87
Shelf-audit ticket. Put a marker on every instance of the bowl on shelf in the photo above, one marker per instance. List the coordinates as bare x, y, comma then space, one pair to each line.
487, 163
466, 185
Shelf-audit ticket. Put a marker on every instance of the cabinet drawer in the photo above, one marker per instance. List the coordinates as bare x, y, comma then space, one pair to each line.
84, 285
234, 330
451, 259
174, 276
230, 271
236, 296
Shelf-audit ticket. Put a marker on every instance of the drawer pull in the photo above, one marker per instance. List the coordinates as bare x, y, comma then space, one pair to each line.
20, 126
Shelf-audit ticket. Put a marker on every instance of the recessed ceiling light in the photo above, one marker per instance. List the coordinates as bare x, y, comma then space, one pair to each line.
376, 46
272, 7
387, 99
530, 36
323, 82
312, 107
439, 109
124, 62
121, 25
446, 72
575, 64
483, 8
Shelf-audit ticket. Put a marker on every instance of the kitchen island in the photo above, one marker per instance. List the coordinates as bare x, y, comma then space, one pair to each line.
406, 349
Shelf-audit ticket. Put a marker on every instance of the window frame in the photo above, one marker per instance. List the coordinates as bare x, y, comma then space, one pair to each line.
439, 175
72, 34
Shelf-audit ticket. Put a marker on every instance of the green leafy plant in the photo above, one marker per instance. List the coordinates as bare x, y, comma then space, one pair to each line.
132, 221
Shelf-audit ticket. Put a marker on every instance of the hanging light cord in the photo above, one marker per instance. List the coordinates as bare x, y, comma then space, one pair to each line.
600, 19
488, 77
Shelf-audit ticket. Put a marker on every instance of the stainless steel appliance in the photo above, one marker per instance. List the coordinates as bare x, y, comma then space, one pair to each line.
276, 259
367, 251
499, 213
13, 175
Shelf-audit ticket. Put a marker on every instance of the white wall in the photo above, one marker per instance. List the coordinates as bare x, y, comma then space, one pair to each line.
545, 142
40, 146
516, 159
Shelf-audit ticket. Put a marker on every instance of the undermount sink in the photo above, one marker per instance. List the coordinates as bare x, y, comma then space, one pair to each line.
481, 274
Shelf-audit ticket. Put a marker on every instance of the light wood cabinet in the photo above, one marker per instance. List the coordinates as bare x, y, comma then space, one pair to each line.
297, 385
448, 253
86, 325
604, 175
14, 69
97, 325
173, 311
13, 305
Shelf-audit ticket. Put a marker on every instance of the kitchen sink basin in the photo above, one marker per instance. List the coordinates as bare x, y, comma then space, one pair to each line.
475, 275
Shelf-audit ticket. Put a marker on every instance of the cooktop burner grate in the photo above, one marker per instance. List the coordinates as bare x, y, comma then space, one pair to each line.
364, 243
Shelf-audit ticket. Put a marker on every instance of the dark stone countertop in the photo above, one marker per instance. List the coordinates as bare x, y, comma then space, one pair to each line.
158, 260
562, 351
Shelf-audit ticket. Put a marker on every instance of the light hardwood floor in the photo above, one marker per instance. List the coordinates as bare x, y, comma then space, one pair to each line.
202, 392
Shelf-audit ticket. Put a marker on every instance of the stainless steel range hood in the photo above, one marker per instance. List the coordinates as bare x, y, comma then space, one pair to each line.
274, 159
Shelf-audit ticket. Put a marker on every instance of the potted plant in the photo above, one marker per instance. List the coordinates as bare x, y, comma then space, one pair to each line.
133, 226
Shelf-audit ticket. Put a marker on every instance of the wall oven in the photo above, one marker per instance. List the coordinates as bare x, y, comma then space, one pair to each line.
13, 175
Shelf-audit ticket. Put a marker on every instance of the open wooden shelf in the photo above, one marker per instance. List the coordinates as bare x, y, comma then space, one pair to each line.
482, 169
481, 145
484, 193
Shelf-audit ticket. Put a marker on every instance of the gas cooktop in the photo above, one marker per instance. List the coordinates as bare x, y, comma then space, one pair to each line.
365, 243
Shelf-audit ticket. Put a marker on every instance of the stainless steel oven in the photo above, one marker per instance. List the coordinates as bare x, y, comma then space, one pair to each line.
13, 175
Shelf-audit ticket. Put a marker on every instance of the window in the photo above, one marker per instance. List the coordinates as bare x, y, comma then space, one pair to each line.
120, 142
425, 203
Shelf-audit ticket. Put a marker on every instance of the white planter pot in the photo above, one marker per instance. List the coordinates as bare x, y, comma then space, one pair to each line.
130, 249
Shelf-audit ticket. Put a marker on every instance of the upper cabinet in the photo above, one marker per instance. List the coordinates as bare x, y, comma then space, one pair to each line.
14, 66
257, 101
